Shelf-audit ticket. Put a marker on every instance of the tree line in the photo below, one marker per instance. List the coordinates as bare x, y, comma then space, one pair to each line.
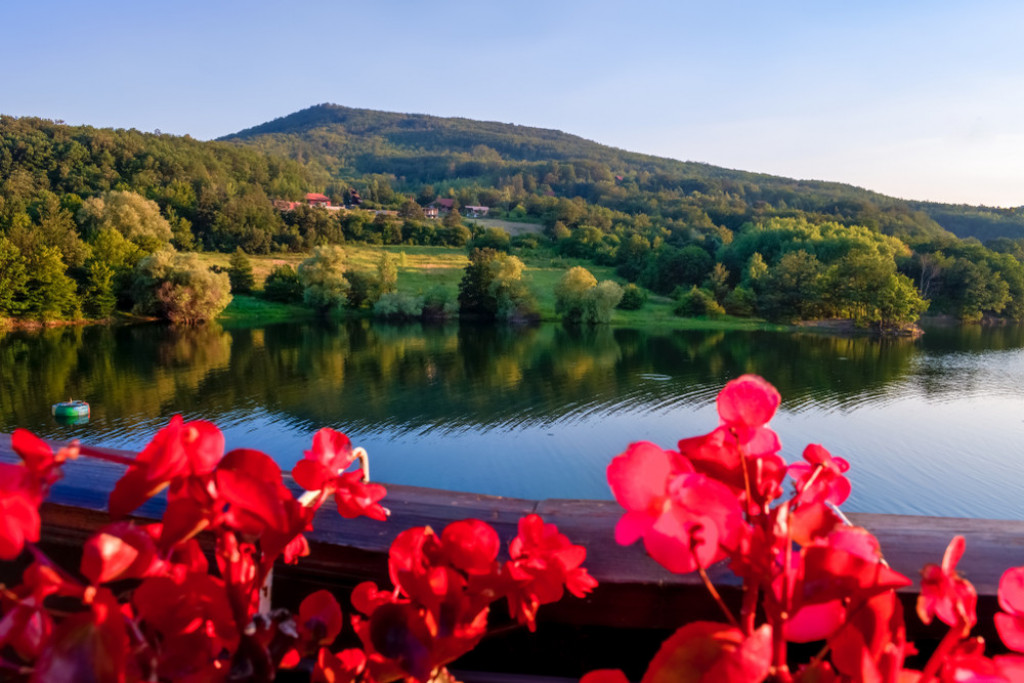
84, 212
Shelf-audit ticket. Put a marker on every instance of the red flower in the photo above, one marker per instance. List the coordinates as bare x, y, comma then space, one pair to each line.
323, 469
20, 498
87, 646
820, 478
1010, 622
543, 563
748, 401
947, 595
178, 450
345, 667
686, 519
120, 551
192, 621
39, 458
706, 651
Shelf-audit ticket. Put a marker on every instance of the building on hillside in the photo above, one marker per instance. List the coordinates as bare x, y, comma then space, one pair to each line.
284, 205
317, 199
444, 206
475, 211
430, 212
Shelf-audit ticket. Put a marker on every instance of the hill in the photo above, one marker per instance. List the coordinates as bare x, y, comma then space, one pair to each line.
467, 156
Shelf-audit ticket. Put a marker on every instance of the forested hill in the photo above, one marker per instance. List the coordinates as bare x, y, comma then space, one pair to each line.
474, 156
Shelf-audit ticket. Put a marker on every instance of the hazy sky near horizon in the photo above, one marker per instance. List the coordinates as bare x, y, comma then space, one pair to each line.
921, 100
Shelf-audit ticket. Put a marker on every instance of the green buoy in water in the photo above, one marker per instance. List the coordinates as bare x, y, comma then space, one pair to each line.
71, 412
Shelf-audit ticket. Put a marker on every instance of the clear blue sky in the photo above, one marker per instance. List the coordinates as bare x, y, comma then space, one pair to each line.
923, 100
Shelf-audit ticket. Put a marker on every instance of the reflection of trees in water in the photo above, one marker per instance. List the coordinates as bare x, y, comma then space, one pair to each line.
415, 377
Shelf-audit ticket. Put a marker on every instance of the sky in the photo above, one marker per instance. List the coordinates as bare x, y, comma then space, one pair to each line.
914, 99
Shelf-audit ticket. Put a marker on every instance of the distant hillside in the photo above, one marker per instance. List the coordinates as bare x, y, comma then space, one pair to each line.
217, 192
461, 153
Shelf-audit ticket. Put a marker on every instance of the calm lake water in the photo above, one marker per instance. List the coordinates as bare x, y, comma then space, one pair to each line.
932, 426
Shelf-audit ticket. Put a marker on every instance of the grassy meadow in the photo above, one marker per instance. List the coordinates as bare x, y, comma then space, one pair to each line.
422, 268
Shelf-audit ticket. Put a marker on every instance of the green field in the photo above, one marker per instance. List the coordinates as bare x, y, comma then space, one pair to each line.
420, 269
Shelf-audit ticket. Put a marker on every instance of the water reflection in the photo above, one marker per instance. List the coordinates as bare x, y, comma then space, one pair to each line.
539, 411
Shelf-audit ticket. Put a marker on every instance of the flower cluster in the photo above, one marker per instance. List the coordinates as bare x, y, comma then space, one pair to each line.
444, 586
148, 604
807, 574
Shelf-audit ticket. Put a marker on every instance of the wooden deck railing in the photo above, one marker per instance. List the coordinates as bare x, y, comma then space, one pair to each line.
635, 594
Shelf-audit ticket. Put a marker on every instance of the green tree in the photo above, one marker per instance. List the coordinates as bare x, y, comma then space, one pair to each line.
452, 218
570, 293
240, 272
492, 288
179, 287
100, 298
387, 273
13, 279
282, 284
323, 278
50, 293
134, 216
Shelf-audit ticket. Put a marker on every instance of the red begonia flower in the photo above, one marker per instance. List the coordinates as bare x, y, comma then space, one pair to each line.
471, 545
748, 401
686, 519
191, 619
945, 594
416, 566
345, 667
319, 619
820, 478
708, 651
847, 564
356, 498
1010, 622
39, 458
323, 469
249, 484
605, 676
178, 450
872, 643
87, 646
20, 498
120, 551
543, 563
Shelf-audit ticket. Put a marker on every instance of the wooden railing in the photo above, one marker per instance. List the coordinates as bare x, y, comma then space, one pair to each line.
635, 594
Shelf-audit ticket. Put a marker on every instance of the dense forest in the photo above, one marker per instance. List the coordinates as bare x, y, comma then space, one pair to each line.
84, 213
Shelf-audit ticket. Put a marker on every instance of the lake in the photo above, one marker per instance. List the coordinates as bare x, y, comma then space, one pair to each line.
930, 426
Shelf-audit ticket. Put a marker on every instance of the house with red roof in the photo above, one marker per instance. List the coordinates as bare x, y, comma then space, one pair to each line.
443, 205
317, 199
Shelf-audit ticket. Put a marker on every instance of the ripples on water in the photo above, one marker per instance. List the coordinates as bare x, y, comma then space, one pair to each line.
930, 427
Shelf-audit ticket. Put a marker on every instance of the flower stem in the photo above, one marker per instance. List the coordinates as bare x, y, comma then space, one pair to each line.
717, 596
950, 641
102, 454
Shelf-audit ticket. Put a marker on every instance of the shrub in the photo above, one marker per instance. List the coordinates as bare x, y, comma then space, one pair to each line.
282, 284
741, 302
698, 302
439, 304
580, 299
398, 306
179, 287
633, 298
